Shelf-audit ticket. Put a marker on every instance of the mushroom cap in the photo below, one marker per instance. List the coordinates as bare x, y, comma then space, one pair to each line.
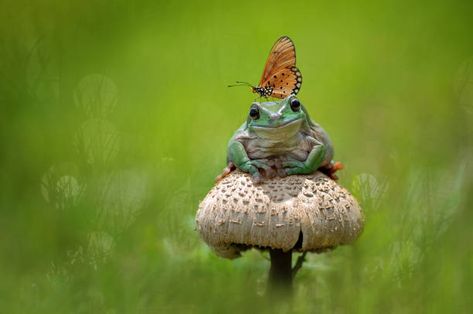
298, 212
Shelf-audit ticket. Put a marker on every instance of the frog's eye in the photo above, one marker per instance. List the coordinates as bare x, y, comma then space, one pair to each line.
295, 104
254, 113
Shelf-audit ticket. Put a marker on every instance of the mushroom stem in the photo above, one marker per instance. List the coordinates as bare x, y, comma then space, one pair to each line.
280, 273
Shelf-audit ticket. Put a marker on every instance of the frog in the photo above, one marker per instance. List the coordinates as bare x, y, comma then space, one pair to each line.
279, 138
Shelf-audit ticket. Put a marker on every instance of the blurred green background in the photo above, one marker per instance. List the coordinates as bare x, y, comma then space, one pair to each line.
114, 121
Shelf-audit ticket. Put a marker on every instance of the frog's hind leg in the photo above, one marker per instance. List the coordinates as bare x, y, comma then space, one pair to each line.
226, 171
331, 168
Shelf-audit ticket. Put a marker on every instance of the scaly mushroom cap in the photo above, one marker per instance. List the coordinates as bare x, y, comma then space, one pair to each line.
298, 212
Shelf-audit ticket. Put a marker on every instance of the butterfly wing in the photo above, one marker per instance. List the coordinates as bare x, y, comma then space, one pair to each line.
282, 56
283, 83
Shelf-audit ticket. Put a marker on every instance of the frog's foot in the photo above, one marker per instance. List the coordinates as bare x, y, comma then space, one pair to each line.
293, 166
278, 168
271, 169
281, 172
331, 168
257, 168
226, 171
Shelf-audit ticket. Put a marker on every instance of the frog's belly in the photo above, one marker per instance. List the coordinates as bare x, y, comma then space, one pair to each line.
267, 149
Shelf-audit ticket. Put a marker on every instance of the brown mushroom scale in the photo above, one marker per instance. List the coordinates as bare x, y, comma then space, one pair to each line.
299, 213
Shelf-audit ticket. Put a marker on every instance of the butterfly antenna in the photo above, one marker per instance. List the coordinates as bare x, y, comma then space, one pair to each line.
239, 83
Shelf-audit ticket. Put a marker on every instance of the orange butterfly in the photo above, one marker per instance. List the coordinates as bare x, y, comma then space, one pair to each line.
281, 77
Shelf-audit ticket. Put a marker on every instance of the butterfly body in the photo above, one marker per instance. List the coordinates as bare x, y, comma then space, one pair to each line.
263, 91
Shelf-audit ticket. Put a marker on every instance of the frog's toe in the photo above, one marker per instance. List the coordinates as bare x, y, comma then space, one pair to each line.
249, 168
265, 167
270, 173
281, 172
257, 179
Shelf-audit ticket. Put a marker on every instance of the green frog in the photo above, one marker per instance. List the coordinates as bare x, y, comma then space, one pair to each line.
279, 139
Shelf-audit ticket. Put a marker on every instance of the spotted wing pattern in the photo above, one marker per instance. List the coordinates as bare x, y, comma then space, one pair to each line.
284, 83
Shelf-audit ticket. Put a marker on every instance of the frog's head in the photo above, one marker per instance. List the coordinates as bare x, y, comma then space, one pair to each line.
277, 120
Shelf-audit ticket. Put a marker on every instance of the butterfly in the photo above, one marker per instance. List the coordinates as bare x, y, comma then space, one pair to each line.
281, 77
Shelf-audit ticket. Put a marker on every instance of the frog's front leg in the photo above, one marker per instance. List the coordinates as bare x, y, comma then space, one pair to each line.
238, 156
310, 165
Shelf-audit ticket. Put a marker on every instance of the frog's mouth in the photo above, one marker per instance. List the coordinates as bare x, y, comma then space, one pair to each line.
280, 132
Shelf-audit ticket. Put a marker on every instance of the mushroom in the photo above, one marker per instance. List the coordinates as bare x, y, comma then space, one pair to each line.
298, 213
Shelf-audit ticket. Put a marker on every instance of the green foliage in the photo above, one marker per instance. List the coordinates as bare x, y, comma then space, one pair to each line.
114, 122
